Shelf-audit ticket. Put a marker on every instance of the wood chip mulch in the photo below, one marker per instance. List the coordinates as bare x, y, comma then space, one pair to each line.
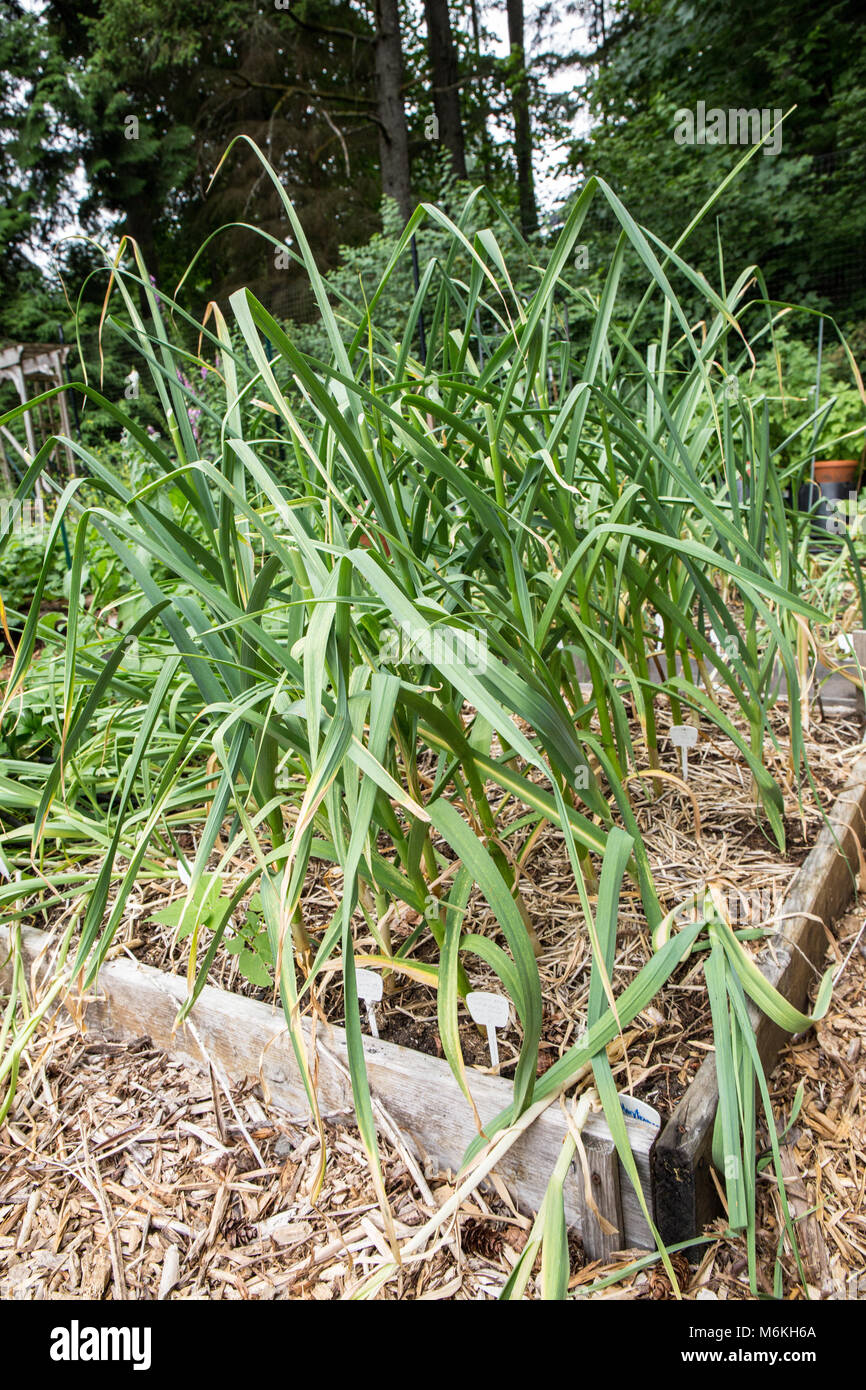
125, 1175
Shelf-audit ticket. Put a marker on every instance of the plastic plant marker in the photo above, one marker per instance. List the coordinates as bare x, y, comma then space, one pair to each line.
489, 1011
369, 986
635, 1109
684, 737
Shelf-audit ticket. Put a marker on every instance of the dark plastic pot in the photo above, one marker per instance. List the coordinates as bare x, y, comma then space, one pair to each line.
818, 498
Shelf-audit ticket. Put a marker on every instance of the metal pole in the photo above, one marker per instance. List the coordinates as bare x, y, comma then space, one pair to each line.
416, 276
817, 394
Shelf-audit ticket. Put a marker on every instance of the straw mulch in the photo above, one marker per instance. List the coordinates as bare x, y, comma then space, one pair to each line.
704, 831
124, 1175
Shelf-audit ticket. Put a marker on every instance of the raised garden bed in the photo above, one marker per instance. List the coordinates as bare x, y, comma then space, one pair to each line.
419, 1101
685, 1196
709, 831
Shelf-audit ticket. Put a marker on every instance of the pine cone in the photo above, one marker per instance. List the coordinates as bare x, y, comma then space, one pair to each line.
481, 1238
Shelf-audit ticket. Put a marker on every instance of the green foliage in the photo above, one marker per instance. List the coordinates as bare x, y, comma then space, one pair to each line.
202, 905
143, 100
29, 732
364, 270
191, 80
21, 564
36, 161
252, 947
800, 213
786, 379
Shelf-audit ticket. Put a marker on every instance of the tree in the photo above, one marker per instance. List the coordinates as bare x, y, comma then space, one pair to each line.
145, 100
393, 130
798, 213
522, 120
446, 89
36, 163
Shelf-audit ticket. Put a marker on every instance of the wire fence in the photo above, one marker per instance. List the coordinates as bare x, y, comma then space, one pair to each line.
843, 269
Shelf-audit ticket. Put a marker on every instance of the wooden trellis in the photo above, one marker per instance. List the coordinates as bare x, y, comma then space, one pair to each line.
33, 368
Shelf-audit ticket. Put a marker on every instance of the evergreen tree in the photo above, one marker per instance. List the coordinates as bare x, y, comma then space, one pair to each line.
799, 213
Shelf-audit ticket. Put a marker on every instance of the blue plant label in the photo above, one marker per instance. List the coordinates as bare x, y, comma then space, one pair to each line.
639, 1110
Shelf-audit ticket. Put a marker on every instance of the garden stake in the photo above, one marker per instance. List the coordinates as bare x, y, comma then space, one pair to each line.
489, 1011
684, 737
369, 986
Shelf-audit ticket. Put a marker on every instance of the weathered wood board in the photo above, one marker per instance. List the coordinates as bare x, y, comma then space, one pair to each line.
684, 1194
247, 1038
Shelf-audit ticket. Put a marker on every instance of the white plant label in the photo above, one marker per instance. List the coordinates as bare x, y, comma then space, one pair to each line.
684, 737
489, 1011
639, 1110
369, 986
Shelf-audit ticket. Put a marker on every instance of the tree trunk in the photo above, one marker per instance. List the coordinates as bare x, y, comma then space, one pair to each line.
446, 92
522, 125
393, 131
138, 224
481, 93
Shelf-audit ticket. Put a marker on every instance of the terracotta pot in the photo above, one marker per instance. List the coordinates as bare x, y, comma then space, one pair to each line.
837, 471
367, 543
